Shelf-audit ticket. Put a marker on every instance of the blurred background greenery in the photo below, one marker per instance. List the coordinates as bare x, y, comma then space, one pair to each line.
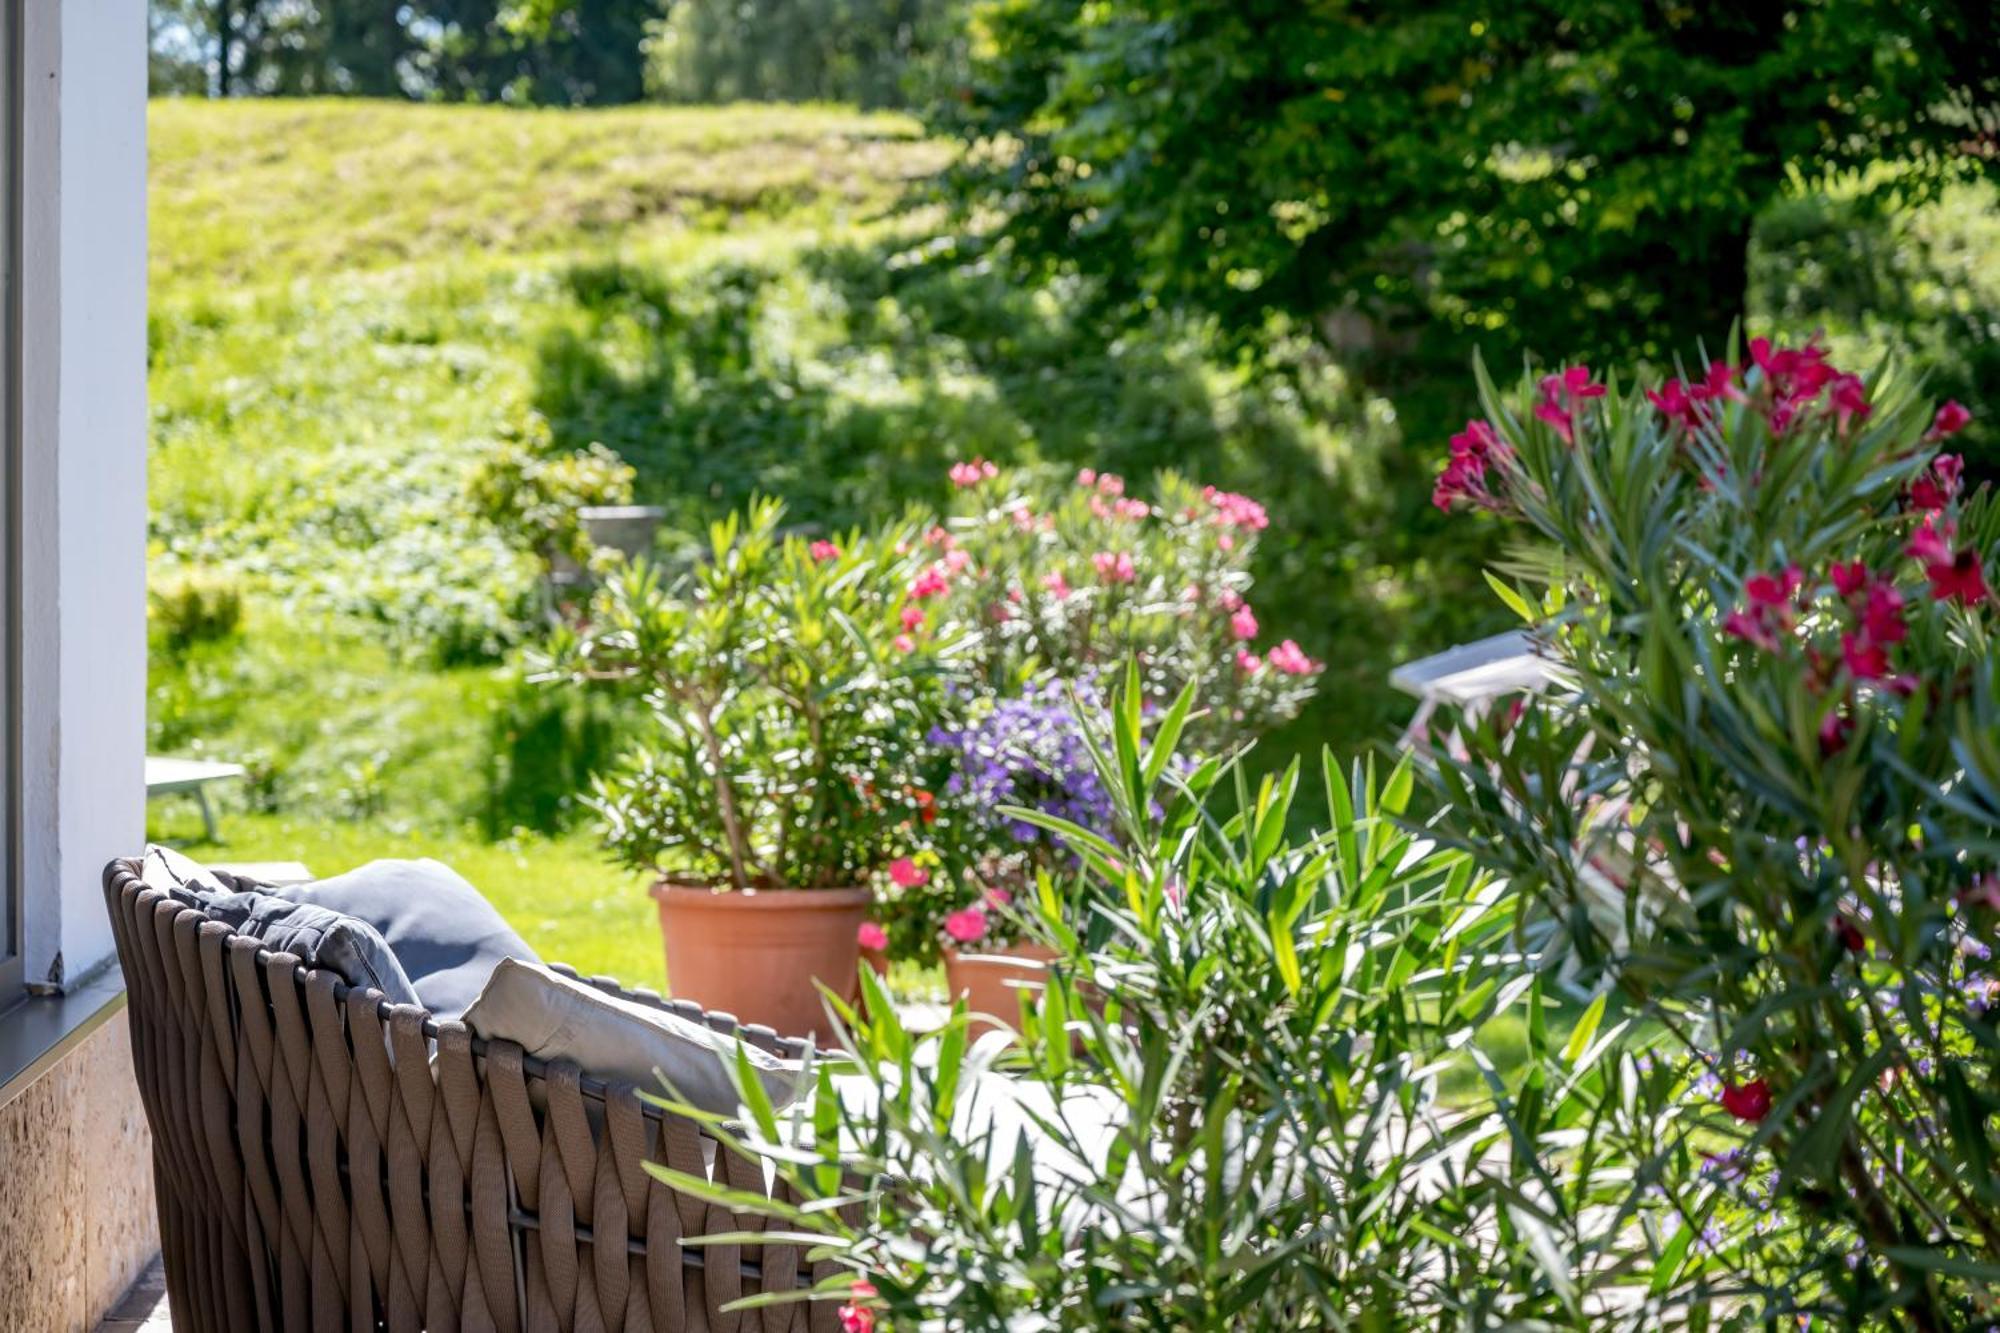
825, 247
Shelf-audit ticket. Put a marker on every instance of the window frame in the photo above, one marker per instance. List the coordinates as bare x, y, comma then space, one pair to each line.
13, 952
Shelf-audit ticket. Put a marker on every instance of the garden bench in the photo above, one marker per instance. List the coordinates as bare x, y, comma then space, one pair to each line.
167, 776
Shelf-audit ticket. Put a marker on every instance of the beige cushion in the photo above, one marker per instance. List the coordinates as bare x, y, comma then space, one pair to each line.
555, 1018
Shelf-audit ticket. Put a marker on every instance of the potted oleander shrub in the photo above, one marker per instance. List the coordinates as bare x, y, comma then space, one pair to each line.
792, 684
1763, 803
1066, 577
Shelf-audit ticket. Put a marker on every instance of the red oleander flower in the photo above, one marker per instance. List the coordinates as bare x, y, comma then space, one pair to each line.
1865, 658
1850, 578
1747, 1101
1848, 399
1882, 614
1767, 591
1952, 417
1961, 578
931, 583
913, 617
1560, 394
1939, 486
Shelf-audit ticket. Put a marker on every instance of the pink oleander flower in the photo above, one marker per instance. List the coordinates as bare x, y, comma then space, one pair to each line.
1473, 450
1114, 567
1057, 585
967, 925
1848, 399
1768, 615
1939, 486
907, 874
1086, 476
1229, 599
903, 643
1929, 542
1289, 658
871, 936
1236, 511
1687, 404
1132, 510
823, 551
931, 583
913, 617
1952, 417
1774, 590
956, 559
1882, 614
940, 537
1561, 393
1794, 375
1243, 624
998, 897
1023, 518
854, 1316
965, 475
1248, 662
1110, 483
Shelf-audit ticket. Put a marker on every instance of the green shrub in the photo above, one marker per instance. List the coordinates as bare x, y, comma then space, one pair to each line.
189, 606
1225, 1110
1765, 804
535, 496
790, 701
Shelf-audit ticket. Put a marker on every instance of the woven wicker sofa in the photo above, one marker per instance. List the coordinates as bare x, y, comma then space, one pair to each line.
326, 1160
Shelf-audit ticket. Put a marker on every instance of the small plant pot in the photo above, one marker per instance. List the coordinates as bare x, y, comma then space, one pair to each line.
755, 953
990, 980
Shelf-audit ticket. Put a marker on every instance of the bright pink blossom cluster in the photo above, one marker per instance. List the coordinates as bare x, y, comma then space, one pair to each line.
856, 1316
1955, 573
1287, 659
1473, 450
1561, 394
1688, 404
967, 475
1236, 511
1114, 567
823, 551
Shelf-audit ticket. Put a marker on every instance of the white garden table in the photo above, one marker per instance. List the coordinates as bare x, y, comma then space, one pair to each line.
167, 776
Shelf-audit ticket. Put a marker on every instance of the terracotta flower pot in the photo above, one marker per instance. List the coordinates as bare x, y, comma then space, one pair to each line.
989, 979
756, 953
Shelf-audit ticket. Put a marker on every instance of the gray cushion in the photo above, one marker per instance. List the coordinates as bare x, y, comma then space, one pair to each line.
344, 945
446, 935
555, 1018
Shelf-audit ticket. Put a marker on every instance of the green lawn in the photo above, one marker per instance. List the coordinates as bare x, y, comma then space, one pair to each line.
559, 892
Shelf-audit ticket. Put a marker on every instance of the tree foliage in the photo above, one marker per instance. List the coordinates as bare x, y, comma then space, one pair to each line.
1396, 173
541, 52
877, 53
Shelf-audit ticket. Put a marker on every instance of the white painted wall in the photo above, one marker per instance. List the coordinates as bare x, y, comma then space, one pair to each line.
83, 483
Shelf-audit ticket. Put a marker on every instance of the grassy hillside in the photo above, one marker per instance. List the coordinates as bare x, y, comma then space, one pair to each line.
260, 192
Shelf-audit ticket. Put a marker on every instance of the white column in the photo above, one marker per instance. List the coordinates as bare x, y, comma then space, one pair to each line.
82, 644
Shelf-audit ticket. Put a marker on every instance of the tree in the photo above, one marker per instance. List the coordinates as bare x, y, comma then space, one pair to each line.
1404, 176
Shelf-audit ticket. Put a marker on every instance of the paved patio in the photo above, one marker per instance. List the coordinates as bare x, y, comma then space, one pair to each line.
143, 1309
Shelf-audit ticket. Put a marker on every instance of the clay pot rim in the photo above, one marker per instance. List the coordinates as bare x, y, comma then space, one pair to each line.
1039, 955
691, 892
